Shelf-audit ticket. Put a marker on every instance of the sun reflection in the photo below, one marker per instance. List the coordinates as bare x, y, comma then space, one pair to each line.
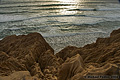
67, 12
69, 9
69, 1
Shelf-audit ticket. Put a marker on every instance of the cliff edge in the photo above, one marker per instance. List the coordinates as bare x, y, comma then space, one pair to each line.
30, 57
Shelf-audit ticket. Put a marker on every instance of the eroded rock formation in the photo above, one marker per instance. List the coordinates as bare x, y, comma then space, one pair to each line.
29, 57
71, 67
26, 53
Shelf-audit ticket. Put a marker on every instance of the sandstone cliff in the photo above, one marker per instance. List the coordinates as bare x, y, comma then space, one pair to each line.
29, 57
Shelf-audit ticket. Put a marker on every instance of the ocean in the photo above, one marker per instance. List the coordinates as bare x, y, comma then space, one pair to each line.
61, 22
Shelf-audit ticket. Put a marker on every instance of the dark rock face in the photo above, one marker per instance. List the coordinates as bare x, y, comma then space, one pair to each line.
29, 57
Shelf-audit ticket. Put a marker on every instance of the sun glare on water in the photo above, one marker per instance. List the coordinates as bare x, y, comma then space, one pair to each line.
72, 4
70, 1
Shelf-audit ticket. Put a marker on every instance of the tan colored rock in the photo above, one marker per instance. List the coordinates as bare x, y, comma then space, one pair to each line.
19, 75
3, 56
115, 32
9, 64
21, 53
102, 73
36, 71
48, 59
47, 71
33, 56
71, 67
50, 77
19, 46
66, 52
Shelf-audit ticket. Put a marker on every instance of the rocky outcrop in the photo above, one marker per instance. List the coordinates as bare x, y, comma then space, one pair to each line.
26, 53
29, 57
20, 46
71, 67
20, 75
106, 72
9, 64
66, 52
100, 58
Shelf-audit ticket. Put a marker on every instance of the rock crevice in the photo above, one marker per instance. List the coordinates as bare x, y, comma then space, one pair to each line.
30, 57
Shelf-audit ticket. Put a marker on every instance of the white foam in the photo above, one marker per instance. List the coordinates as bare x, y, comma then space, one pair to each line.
6, 18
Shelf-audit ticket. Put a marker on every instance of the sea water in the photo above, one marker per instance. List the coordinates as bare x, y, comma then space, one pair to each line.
61, 22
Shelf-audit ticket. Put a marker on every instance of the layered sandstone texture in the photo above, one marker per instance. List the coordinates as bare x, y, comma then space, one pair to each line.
30, 57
